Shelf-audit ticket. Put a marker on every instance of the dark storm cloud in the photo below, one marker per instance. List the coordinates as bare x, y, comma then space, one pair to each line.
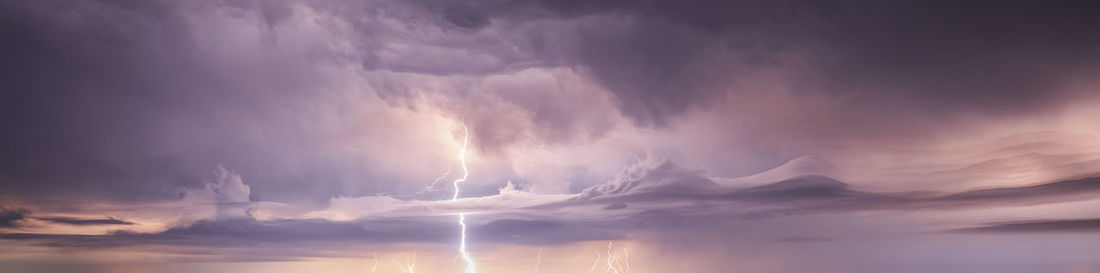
664, 57
103, 101
64, 83
10, 218
1046, 226
122, 108
658, 57
130, 100
85, 222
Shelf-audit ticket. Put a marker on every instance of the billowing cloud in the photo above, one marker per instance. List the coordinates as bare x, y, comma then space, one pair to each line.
766, 129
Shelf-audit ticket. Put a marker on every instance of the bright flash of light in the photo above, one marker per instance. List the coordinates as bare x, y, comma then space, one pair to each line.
626, 259
615, 263
462, 162
611, 259
538, 262
435, 182
409, 266
596, 262
374, 268
462, 245
470, 266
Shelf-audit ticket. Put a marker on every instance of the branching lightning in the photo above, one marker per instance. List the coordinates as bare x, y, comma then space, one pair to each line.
615, 263
611, 259
409, 266
470, 266
431, 187
596, 262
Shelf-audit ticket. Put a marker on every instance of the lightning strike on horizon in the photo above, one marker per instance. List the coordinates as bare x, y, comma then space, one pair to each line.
611, 259
626, 260
462, 245
470, 266
374, 268
409, 266
538, 262
614, 263
596, 262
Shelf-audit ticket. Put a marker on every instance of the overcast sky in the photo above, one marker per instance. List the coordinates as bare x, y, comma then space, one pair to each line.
706, 136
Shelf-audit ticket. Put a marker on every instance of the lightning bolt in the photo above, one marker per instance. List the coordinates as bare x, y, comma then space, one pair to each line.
596, 262
611, 259
409, 266
626, 260
614, 263
427, 189
538, 262
431, 187
470, 266
462, 245
462, 162
374, 268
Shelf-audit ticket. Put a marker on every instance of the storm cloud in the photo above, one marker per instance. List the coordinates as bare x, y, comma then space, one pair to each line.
168, 97
766, 129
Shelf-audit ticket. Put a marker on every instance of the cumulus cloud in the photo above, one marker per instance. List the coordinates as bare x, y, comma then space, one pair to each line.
223, 186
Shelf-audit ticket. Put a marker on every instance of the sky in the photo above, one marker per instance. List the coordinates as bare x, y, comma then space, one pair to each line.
623, 136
